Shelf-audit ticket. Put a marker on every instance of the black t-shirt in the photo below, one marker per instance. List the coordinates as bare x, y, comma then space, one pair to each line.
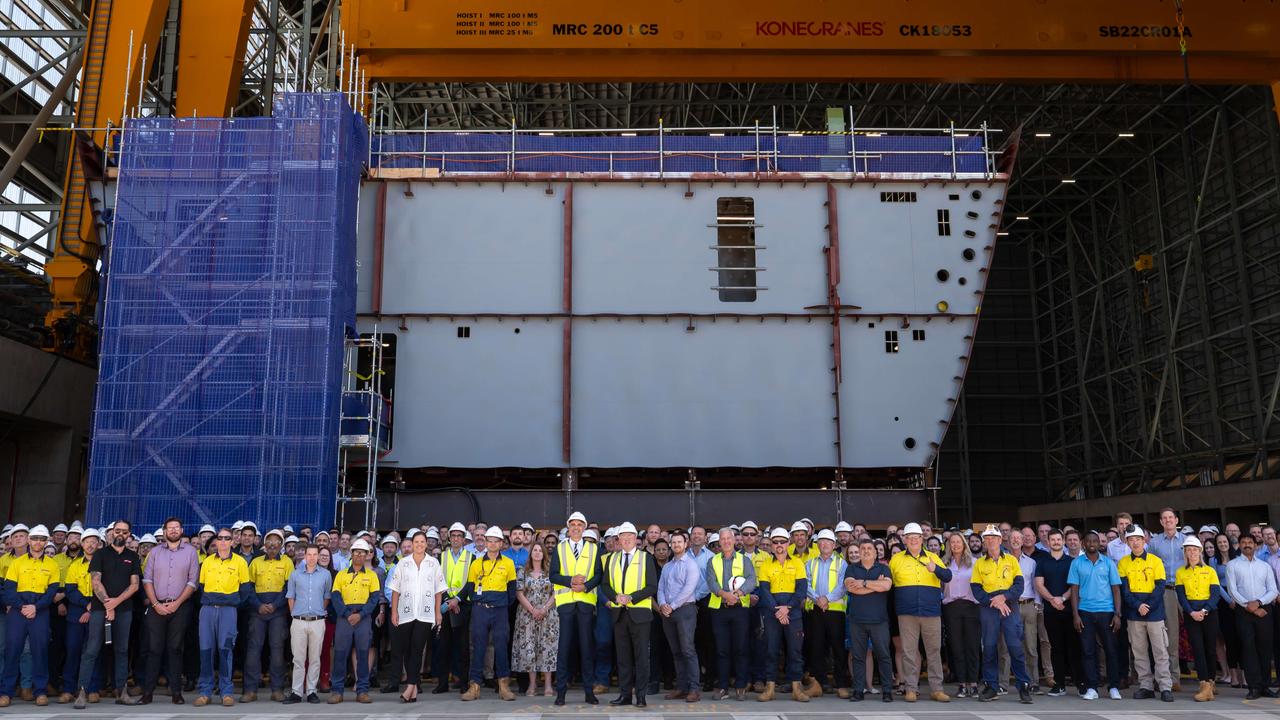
868, 608
117, 568
1054, 572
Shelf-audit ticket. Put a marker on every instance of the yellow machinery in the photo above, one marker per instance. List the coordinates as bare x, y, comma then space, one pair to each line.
1137, 41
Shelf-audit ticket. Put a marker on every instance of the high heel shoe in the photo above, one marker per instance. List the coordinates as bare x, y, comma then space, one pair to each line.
405, 699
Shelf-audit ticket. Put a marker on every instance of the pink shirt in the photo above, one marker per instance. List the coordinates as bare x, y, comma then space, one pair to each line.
958, 588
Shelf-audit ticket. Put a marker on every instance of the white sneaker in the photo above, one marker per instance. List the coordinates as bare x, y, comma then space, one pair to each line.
1089, 694
1115, 694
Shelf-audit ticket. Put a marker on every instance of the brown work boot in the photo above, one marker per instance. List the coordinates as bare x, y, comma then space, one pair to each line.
472, 693
249, 697
842, 693
25, 695
599, 689
42, 700
504, 689
911, 696
94, 698
693, 697
4, 701
228, 701
798, 693
939, 696
364, 698
768, 693
335, 698
201, 701
65, 698
812, 687
675, 695
1206, 692
277, 695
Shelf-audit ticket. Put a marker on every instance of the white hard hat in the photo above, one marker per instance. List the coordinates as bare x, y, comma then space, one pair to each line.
494, 532
458, 527
826, 534
778, 532
207, 529
291, 539
19, 527
807, 521
990, 531
60, 528
412, 531
288, 528
433, 533
799, 526
237, 525
1208, 529
361, 545
277, 533
92, 533
577, 516
591, 533
1135, 531
75, 530
324, 533
843, 526
38, 531
249, 524
1192, 541
611, 532
912, 529
750, 524
391, 539
76, 526
1187, 530
148, 539
526, 526
625, 527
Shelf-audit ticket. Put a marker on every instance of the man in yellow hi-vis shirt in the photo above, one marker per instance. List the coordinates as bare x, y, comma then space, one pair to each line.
224, 585
28, 588
268, 618
996, 585
493, 583
355, 598
917, 594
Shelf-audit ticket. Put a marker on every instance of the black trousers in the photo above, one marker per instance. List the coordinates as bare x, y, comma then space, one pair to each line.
877, 634
454, 652
1203, 636
1255, 646
964, 636
824, 645
166, 635
729, 626
409, 642
705, 641
577, 632
632, 630
1064, 645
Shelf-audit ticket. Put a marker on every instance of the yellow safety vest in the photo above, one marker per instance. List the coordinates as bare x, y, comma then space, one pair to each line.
584, 565
717, 566
835, 576
634, 577
457, 571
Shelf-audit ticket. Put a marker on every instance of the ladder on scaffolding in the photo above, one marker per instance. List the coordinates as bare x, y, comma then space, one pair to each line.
363, 432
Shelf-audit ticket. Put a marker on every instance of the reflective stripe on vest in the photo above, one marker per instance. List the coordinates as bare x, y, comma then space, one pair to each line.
456, 571
584, 565
835, 576
717, 566
634, 577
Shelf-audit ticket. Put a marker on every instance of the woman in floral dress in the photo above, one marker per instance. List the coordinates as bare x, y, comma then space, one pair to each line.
533, 649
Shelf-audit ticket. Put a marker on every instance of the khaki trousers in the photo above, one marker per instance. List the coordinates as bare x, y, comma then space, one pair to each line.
306, 637
913, 629
1150, 636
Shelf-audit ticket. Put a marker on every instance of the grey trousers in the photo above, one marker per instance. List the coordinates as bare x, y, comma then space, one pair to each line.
680, 629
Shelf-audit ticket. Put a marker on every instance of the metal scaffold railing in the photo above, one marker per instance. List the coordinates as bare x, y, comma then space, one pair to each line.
364, 430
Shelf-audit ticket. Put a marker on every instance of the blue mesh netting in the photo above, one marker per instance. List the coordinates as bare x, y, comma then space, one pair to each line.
490, 152
229, 287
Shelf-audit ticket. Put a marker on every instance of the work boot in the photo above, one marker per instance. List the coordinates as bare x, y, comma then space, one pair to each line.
797, 692
25, 695
335, 698
363, 698
504, 689
599, 689
42, 700
201, 701
277, 695
249, 696
675, 695
939, 696
757, 687
812, 687
228, 701
911, 696
65, 698
768, 693
1206, 692
842, 693
472, 693
4, 701
94, 698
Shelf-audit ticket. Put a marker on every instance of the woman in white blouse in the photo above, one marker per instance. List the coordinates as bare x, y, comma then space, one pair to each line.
416, 588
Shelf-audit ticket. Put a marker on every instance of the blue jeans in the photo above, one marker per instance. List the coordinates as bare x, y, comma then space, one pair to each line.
1097, 626
20, 632
119, 646
217, 641
490, 623
994, 625
345, 638
604, 646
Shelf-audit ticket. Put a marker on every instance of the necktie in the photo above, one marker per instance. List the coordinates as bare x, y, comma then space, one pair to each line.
626, 561
575, 551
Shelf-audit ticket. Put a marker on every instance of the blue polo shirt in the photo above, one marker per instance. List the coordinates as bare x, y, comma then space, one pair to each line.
1094, 580
872, 608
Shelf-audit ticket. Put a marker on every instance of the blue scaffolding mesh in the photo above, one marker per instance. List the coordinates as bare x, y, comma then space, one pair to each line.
229, 287
476, 152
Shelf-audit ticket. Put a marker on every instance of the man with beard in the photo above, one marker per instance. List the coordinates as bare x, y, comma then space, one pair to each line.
169, 580
452, 653
78, 587
115, 574
268, 617
28, 588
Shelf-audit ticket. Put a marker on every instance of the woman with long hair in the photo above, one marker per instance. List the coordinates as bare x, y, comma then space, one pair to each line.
1198, 594
1229, 639
960, 617
417, 586
537, 635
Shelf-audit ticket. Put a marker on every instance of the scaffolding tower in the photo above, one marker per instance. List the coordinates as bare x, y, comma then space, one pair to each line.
364, 435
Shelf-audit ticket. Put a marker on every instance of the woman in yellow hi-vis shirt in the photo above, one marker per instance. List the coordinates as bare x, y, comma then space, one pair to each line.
1198, 595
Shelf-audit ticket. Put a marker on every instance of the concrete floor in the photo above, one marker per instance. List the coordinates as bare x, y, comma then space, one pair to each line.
1229, 706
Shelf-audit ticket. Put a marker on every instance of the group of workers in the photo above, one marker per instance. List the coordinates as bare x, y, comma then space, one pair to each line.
790, 609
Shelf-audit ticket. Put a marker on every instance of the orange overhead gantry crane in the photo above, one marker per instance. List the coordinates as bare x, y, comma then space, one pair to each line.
1139, 41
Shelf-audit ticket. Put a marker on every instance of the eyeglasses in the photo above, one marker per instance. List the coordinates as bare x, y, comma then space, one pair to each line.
223, 537
750, 534
779, 542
